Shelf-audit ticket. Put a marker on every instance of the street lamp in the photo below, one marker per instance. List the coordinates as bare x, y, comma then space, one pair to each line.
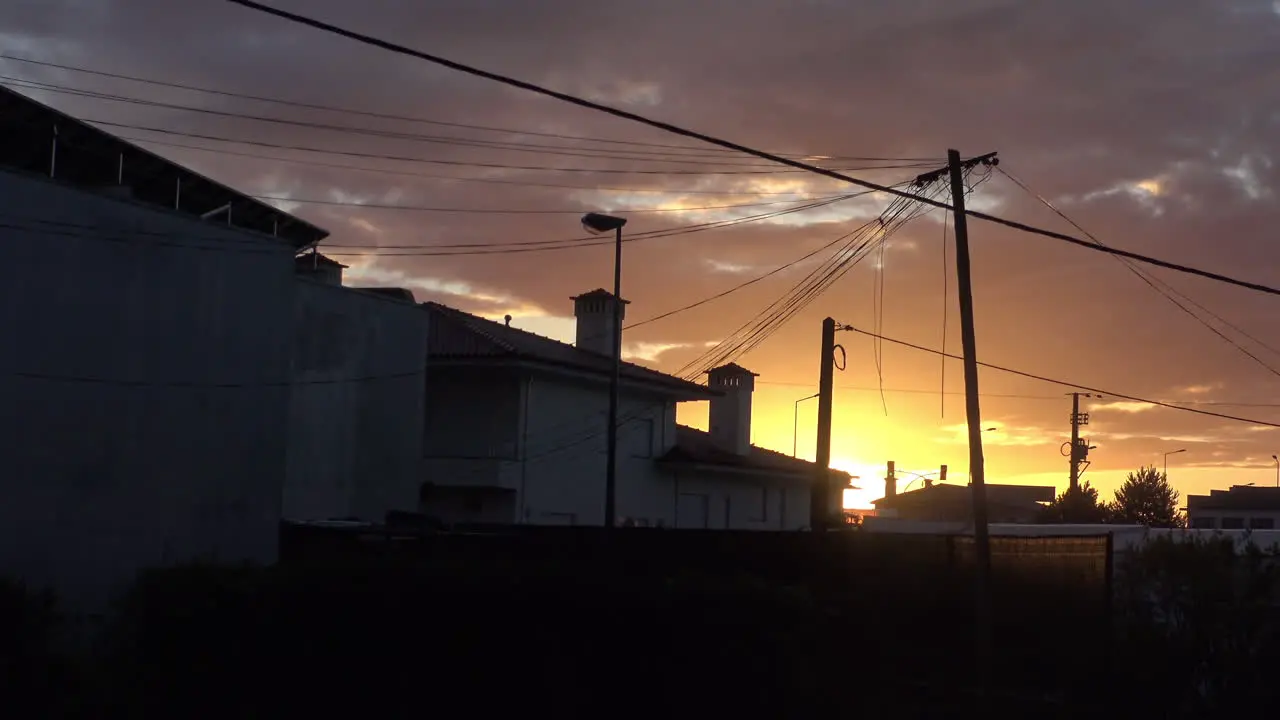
1166, 460
795, 426
1277, 459
596, 224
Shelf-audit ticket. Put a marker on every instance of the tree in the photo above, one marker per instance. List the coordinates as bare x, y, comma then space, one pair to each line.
1147, 498
1076, 505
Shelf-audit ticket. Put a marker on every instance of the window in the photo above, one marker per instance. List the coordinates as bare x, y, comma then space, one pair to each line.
642, 438
760, 505
1262, 523
1203, 523
1232, 523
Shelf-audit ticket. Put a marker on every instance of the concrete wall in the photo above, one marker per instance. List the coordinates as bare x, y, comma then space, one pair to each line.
565, 447
1243, 519
543, 436
144, 360
355, 424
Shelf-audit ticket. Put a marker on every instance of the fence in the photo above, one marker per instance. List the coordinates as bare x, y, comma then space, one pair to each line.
905, 601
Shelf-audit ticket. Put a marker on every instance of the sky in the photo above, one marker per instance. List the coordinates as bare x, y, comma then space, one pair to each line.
1151, 124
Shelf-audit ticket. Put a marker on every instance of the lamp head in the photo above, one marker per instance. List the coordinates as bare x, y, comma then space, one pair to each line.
597, 223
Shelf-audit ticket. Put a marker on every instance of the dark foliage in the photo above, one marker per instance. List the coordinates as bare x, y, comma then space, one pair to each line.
1076, 505
1200, 624
1147, 498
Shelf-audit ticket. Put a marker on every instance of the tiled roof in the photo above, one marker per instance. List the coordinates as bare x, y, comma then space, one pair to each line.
598, 293
696, 446
456, 335
732, 369
996, 494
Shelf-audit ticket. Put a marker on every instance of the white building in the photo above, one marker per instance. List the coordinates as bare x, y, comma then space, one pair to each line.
355, 406
148, 329
1242, 507
516, 433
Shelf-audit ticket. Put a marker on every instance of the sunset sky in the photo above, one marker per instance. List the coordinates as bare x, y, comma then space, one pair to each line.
1155, 125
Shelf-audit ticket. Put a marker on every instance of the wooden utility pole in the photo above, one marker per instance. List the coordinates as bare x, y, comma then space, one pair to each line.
973, 416
820, 510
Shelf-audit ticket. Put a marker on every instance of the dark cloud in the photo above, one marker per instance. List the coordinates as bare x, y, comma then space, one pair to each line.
1152, 123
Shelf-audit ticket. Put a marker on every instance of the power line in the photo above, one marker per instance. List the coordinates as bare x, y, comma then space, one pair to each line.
590, 241
192, 384
1064, 383
1156, 284
449, 178
683, 132
915, 391
767, 322
429, 161
635, 156
43, 225
414, 119
739, 286
1011, 396
529, 211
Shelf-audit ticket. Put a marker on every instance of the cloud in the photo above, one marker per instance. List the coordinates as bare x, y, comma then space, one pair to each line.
1124, 406
1166, 121
1003, 435
722, 266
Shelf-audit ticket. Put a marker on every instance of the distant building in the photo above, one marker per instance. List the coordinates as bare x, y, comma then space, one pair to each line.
1242, 507
516, 434
954, 503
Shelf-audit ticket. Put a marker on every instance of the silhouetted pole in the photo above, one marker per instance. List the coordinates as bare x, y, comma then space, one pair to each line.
597, 223
1075, 440
611, 450
973, 416
820, 497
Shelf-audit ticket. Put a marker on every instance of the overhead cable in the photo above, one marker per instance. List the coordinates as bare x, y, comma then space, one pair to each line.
683, 132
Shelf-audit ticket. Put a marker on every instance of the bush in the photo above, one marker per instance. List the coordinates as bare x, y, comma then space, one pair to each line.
1199, 625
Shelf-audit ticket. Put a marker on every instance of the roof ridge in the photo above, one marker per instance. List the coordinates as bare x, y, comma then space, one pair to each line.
466, 319
469, 320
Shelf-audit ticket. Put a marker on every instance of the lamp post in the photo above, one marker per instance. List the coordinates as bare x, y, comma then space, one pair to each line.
795, 425
597, 223
1277, 459
1166, 460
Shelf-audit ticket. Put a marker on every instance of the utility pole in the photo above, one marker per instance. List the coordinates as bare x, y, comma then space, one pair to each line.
973, 416
820, 510
1075, 439
1079, 450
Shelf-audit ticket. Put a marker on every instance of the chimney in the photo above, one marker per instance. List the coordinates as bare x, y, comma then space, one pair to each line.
318, 267
594, 313
730, 414
890, 483
942, 477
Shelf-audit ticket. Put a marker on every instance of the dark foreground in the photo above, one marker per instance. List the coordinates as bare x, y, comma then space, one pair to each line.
561, 626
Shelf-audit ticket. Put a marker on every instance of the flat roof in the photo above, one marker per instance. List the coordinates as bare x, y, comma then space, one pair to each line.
93, 158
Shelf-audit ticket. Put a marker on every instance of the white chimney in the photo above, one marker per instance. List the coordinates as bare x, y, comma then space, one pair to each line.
730, 416
594, 312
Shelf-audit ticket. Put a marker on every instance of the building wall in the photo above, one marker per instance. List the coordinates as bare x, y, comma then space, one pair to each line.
543, 437
356, 409
144, 359
1234, 519
565, 443
739, 502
